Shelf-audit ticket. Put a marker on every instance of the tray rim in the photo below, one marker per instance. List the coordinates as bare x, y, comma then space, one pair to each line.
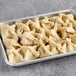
40, 59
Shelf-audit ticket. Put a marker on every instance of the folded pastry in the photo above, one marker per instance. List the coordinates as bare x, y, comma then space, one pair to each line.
39, 37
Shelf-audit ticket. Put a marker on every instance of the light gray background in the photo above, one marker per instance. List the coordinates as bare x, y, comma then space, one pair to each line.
10, 9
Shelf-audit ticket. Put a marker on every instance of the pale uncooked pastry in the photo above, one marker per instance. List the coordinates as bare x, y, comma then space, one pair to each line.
73, 39
39, 37
14, 56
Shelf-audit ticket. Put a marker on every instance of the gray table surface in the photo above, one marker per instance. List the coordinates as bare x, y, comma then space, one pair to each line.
10, 9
